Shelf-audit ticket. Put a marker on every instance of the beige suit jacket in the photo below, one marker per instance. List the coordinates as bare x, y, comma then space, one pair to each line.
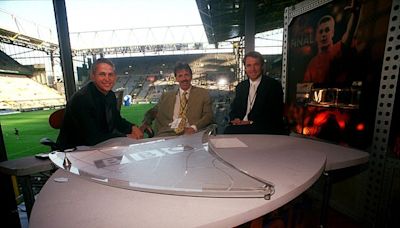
199, 111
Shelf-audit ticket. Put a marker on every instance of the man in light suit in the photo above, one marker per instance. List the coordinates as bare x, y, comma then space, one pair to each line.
167, 113
258, 104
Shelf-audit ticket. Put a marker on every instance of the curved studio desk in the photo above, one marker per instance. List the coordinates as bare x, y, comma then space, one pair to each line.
291, 164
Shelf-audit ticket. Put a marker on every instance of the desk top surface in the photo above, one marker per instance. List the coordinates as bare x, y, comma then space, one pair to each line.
291, 164
337, 157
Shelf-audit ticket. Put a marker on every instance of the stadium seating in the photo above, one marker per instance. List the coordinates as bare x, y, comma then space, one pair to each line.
207, 69
18, 92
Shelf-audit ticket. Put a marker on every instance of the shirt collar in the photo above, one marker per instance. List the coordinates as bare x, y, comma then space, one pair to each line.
256, 82
181, 91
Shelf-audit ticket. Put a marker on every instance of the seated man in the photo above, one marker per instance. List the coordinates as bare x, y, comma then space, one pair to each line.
91, 115
181, 112
258, 104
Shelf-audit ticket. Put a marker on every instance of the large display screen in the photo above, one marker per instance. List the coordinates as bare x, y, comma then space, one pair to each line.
334, 62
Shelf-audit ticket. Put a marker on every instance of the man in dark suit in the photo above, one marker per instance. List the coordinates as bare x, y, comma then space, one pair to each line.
185, 111
91, 115
258, 104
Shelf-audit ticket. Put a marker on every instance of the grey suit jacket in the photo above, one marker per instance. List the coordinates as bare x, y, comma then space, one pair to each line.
199, 111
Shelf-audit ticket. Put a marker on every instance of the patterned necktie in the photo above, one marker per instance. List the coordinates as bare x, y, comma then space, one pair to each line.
182, 114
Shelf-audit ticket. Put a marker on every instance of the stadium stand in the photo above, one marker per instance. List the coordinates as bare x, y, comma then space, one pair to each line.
133, 73
19, 92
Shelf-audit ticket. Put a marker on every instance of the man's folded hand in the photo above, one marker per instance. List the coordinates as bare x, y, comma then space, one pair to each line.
136, 133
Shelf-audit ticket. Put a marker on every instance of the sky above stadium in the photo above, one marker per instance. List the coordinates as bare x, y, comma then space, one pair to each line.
100, 15
95, 15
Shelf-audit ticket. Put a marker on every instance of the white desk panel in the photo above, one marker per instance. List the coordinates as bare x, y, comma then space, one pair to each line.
293, 164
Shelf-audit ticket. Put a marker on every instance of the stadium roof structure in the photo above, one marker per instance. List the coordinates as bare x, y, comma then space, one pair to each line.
9, 66
22, 40
225, 19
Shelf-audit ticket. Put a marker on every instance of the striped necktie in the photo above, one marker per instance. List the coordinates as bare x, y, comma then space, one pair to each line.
182, 114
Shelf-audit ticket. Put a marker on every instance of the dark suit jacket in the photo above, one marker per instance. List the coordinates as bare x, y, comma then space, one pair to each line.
199, 111
90, 118
267, 111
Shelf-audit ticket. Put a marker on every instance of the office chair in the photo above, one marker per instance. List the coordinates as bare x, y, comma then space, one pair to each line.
55, 121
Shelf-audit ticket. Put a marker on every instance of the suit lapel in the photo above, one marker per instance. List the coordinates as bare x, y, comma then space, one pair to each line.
246, 94
171, 104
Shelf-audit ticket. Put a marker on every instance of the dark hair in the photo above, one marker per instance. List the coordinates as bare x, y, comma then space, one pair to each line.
182, 66
99, 61
254, 54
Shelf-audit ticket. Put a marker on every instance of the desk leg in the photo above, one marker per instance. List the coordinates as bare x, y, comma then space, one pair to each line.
325, 199
27, 192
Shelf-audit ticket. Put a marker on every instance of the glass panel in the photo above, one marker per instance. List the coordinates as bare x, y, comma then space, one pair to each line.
177, 166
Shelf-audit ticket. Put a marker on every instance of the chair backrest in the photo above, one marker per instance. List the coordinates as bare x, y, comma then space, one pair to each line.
56, 118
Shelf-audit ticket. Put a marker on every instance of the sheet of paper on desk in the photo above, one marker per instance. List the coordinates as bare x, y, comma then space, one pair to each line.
227, 143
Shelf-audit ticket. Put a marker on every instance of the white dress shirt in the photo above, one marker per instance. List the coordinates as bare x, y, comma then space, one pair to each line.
178, 104
252, 96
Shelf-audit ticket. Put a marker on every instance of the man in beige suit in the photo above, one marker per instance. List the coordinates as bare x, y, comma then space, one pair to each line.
185, 111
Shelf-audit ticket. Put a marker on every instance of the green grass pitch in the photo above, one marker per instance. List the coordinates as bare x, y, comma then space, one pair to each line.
34, 126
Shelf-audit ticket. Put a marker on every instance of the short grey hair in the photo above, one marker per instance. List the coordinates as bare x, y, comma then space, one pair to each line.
99, 61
